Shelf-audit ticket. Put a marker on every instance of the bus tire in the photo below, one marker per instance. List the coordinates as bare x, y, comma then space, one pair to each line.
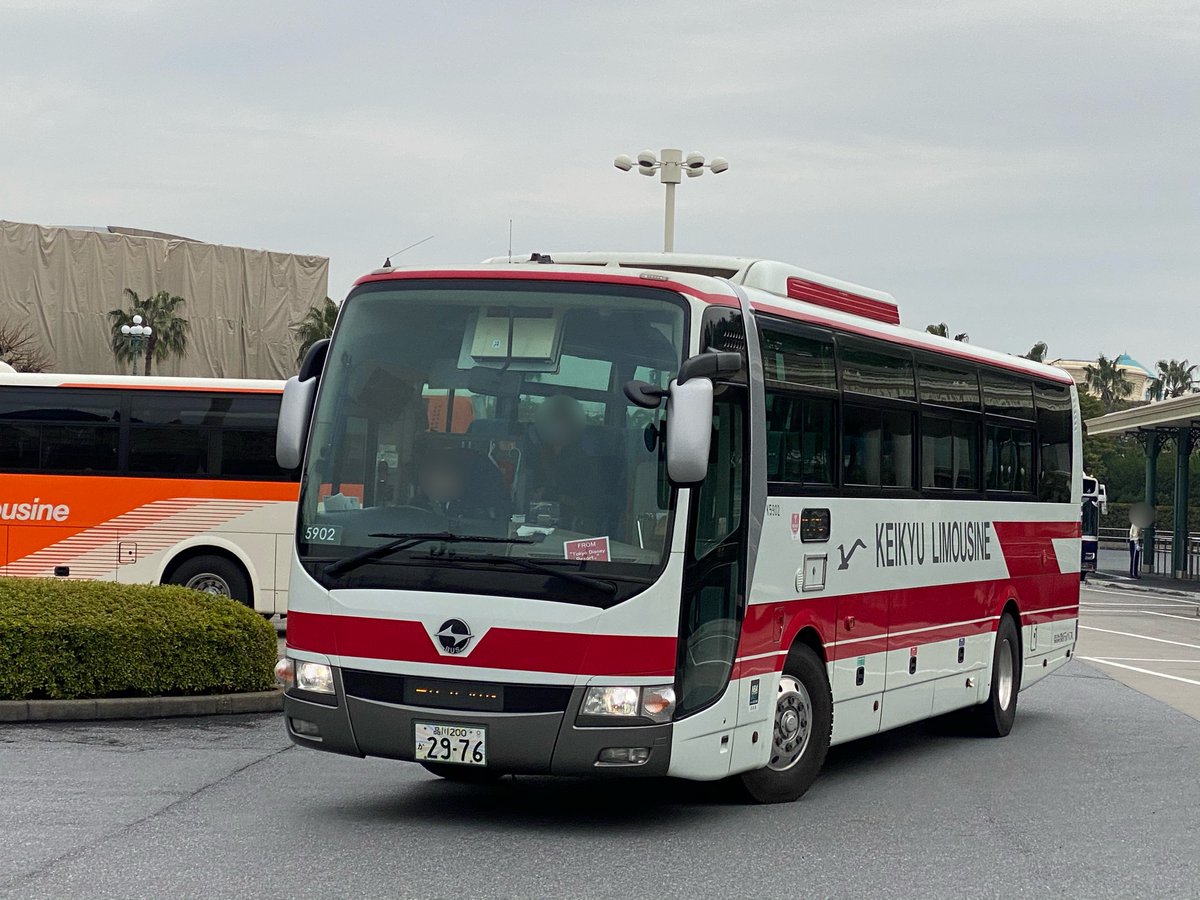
995, 716
800, 733
213, 575
463, 774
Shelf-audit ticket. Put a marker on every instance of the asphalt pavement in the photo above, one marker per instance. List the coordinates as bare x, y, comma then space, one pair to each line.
1094, 794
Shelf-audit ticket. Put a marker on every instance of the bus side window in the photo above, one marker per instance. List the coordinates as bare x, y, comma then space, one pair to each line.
1054, 439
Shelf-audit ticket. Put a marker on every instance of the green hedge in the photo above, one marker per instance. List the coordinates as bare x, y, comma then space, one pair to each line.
70, 639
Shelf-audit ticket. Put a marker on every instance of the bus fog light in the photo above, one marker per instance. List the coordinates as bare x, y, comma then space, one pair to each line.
658, 703
306, 728
285, 673
314, 677
606, 700
623, 756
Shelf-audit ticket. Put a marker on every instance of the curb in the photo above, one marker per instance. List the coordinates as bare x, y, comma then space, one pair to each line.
139, 707
1132, 585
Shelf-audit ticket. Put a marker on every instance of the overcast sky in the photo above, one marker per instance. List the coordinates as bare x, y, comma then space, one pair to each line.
1021, 169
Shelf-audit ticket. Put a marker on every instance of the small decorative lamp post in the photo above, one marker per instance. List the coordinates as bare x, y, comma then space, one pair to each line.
138, 334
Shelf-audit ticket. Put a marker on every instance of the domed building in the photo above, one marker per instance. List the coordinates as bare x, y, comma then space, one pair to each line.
1135, 373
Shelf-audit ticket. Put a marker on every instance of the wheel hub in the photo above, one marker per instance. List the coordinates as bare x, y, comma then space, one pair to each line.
793, 724
209, 583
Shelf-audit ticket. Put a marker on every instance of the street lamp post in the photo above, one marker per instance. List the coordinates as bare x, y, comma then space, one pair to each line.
670, 165
138, 334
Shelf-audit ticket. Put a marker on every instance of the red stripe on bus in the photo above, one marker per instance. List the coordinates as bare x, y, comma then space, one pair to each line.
188, 388
929, 614
1029, 546
499, 648
842, 301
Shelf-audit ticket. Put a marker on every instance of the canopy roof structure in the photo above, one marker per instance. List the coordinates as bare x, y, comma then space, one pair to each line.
1155, 425
1178, 412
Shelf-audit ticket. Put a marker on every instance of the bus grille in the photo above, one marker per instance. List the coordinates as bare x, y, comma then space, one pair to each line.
442, 693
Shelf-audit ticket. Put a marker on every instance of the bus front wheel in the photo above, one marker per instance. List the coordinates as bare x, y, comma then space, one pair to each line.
800, 733
213, 575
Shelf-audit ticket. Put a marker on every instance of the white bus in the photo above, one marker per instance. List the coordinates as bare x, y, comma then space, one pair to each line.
665, 515
1094, 504
146, 480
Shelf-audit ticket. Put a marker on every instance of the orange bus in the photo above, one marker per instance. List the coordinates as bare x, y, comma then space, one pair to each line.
146, 480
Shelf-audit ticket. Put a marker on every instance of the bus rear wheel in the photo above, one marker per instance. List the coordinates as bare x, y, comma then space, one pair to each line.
800, 733
995, 716
213, 575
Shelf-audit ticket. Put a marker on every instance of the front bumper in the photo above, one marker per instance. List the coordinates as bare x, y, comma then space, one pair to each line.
532, 743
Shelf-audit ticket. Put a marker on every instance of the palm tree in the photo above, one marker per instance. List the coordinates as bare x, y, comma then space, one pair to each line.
941, 330
1174, 379
1037, 352
316, 325
1106, 380
169, 330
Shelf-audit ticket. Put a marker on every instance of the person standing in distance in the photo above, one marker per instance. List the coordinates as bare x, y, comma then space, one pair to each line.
1134, 535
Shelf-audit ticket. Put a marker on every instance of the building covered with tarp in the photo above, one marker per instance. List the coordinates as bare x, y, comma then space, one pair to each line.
241, 304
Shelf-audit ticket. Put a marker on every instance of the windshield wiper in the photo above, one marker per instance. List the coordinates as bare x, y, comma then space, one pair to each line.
528, 564
401, 541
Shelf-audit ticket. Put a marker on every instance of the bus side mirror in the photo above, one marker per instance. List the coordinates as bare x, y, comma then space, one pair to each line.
295, 411
689, 430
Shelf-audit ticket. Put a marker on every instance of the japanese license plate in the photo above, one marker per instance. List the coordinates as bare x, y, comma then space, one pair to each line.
462, 745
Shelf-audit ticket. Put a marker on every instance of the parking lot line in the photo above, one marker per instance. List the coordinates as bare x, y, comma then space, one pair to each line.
1144, 637
1144, 659
1105, 662
1151, 612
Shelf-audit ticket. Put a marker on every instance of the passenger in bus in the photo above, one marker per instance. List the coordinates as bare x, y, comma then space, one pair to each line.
559, 470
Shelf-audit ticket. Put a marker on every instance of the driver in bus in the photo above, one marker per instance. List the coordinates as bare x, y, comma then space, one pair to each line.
458, 483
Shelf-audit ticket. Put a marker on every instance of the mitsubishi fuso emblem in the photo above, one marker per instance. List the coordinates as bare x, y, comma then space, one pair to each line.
454, 635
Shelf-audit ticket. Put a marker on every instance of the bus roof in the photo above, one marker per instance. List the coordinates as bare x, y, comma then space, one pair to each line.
139, 382
773, 287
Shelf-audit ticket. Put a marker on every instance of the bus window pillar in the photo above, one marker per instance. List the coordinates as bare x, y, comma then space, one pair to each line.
1184, 441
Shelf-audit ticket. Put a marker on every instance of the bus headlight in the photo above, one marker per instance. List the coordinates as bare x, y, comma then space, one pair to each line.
654, 702
311, 676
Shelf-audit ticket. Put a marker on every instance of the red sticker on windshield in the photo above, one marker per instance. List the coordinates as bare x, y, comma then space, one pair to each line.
588, 548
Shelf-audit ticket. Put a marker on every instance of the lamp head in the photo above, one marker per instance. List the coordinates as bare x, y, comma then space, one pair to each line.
694, 160
647, 162
623, 162
718, 165
137, 320
125, 329
147, 330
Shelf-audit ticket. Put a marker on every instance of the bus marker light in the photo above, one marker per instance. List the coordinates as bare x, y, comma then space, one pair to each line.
285, 673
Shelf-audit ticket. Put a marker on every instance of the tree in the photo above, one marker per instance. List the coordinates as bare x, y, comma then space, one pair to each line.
316, 325
1106, 380
1097, 451
169, 330
941, 330
21, 350
1037, 352
1174, 379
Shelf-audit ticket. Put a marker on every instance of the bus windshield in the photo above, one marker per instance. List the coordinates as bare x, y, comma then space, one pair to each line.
491, 408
